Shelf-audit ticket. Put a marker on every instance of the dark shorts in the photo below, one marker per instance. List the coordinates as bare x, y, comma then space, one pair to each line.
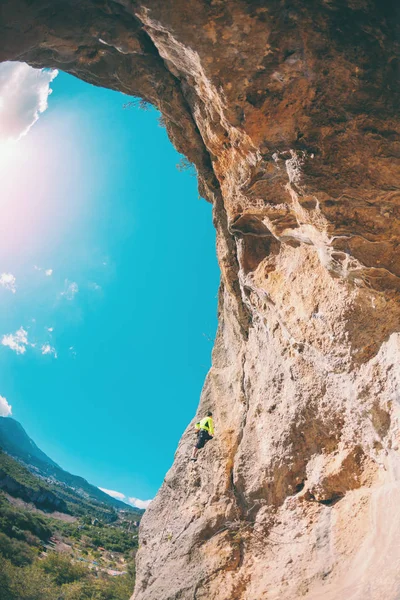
202, 438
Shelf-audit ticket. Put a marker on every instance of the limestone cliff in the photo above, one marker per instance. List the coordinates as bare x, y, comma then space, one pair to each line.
289, 110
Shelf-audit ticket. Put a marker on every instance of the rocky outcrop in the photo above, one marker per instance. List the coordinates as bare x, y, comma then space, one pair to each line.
289, 110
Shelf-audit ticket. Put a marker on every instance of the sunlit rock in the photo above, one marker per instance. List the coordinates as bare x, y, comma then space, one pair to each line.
289, 111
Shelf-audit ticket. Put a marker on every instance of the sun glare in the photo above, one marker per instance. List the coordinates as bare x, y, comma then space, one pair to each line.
8, 152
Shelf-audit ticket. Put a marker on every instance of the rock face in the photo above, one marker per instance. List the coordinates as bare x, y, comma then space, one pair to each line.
289, 110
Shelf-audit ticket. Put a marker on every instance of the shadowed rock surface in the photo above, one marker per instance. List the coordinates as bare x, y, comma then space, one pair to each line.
289, 110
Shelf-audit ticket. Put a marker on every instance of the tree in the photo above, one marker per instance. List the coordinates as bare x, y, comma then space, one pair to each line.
28, 583
17, 552
61, 569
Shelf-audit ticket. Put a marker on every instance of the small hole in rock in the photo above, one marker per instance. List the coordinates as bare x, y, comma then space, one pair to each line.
331, 501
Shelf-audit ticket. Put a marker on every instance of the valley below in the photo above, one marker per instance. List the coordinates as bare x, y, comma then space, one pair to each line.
59, 542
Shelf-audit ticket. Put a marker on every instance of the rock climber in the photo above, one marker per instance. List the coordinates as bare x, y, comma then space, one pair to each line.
205, 432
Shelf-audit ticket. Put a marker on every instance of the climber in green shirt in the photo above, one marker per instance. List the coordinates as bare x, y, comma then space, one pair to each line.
205, 432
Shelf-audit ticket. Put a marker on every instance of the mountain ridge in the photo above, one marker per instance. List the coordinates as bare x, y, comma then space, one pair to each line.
17, 443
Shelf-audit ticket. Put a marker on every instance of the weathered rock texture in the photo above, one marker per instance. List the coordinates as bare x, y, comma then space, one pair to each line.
290, 111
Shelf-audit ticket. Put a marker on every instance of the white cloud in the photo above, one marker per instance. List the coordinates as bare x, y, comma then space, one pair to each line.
136, 502
47, 272
17, 341
139, 503
7, 280
50, 329
71, 289
113, 493
23, 96
47, 349
5, 408
94, 286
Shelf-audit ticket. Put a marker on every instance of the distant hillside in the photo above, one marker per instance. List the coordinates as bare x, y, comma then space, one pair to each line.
78, 493
18, 481
15, 441
47, 554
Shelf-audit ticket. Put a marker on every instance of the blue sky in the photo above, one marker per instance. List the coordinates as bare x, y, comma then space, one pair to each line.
114, 343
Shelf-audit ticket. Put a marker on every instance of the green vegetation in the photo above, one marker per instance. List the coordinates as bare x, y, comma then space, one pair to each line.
40, 581
18, 552
66, 540
111, 538
19, 473
19, 482
21, 524
49, 494
43, 558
